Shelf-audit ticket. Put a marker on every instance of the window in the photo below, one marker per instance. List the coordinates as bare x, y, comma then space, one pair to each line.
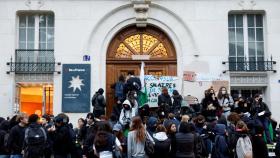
246, 41
36, 31
35, 38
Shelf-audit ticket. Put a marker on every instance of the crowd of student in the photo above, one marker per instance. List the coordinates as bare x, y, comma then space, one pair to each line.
218, 127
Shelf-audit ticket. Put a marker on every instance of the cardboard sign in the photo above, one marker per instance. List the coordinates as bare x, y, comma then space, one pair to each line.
189, 76
218, 84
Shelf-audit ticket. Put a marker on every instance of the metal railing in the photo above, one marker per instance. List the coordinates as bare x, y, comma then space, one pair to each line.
33, 61
251, 66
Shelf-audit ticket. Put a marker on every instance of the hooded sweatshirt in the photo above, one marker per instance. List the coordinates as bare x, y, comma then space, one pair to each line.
220, 148
162, 145
127, 114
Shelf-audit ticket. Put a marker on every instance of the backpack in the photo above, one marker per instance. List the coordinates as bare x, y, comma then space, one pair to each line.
244, 148
35, 140
200, 149
217, 150
149, 145
119, 90
6, 138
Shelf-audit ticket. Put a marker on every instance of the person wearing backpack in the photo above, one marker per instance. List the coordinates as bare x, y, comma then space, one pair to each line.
220, 146
98, 102
4, 136
106, 144
35, 138
16, 137
119, 89
244, 147
137, 137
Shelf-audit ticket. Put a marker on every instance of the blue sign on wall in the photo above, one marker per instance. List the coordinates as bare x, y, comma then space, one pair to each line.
76, 88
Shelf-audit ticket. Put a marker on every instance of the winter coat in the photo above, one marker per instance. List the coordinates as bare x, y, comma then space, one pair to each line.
220, 147
165, 102
185, 145
62, 141
162, 145
259, 107
16, 139
177, 102
4, 132
210, 114
126, 115
259, 147
98, 102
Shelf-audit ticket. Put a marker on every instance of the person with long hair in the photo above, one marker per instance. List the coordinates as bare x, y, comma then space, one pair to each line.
136, 139
210, 106
225, 101
105, 141
171, 131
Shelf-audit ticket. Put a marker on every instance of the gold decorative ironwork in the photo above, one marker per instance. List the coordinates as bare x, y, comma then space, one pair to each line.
134, 42
149, 45
123, 52
148, 42
159, 51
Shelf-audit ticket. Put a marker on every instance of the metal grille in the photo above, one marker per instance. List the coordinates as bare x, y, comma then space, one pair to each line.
33, 61
251, 66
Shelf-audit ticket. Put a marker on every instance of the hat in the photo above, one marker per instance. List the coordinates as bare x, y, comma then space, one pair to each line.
117, 127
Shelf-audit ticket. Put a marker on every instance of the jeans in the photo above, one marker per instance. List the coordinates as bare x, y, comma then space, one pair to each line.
16, 156
265, 123
4, 156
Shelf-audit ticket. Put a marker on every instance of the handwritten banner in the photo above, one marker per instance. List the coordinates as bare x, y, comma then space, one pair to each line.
154, 86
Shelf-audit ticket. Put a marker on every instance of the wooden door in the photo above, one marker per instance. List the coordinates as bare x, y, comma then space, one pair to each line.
113, 73
115, 70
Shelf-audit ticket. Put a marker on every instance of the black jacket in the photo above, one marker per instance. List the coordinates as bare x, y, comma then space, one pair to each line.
210, 114
62, 141
185, 145
16, 139
259, 107
162, 146
98, 102
259, 147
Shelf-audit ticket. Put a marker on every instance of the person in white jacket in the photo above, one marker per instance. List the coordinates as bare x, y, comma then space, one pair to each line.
128, 112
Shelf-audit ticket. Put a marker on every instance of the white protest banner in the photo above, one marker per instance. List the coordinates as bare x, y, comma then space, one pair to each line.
154, 86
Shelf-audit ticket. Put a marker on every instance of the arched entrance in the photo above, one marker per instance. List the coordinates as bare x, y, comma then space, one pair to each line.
138, 41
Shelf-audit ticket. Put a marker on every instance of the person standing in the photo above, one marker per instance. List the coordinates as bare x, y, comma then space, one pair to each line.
16, 137
225, 101
136, 139
162, 143
164, 103
35, 140
4, 135
177, 102
185, 142
210, 106
62, 139
98, 102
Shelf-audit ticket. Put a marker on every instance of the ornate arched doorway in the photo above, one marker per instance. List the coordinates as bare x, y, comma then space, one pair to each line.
138, 41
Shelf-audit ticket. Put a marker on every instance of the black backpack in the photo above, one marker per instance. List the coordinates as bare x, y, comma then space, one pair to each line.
35, 140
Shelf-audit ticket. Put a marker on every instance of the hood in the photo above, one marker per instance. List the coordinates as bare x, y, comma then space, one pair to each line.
160, 136
152, 121
5, 125
127, 102
220, 129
